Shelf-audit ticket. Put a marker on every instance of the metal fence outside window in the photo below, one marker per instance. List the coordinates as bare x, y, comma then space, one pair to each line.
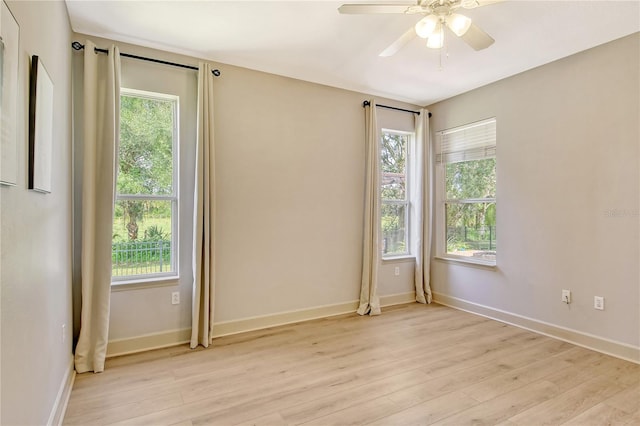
141, 257
472, 238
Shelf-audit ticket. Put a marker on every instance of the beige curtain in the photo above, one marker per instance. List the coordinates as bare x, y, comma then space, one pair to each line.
369, 301
424, 208
101, 128
204, 216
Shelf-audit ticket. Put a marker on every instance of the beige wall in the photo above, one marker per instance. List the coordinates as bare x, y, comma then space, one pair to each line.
290, 178
35, 235
567, 157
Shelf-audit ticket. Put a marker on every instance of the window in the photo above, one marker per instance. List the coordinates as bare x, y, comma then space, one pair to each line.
468, 156
394, 191
145, 221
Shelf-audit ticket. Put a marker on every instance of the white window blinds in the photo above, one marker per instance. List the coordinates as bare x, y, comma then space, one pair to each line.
474, 141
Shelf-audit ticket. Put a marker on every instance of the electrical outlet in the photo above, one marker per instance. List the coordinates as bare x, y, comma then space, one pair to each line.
566, 296
397, 271
598, 303
175, 298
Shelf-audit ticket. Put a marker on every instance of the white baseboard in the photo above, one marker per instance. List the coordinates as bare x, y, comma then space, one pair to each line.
586, 340
225, 328
148, 342
62, 399
397, 299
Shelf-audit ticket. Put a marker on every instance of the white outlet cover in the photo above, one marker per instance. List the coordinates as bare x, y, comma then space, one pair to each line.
598, 303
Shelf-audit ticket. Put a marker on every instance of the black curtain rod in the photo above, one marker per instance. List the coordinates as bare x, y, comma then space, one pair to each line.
367, 103
78, 46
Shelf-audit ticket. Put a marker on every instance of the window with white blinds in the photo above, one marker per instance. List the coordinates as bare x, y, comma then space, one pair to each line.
468, 158
470, 142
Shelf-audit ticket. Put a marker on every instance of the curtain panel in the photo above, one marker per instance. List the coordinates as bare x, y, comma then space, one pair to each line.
100, 137
371, 255
424, 208
204, 216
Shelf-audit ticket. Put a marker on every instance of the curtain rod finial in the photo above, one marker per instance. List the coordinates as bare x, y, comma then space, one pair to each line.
216, 72
77, 46
366, 103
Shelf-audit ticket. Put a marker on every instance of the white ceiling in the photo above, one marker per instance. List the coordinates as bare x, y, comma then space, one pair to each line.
310, 40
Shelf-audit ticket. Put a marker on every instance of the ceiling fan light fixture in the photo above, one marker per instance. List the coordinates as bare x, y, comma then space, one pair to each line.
427, 26
436, 40
458, 24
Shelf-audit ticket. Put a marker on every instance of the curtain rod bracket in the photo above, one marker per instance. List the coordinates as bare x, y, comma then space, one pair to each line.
79, 46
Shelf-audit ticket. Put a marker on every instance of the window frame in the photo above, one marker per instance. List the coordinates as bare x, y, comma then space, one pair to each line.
174, 197
441, 243
407, 202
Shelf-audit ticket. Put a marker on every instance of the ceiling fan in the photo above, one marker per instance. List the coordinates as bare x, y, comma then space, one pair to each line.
437, 15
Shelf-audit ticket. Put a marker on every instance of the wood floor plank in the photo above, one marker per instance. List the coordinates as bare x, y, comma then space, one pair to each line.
358, 414
569, 404
514, 379
634, 420
628, 400
337, 401
272, 419
503, 407
113, 414
428, 412
414, 364
598, 415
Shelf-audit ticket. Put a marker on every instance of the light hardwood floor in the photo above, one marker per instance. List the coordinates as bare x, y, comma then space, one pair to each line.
414, 364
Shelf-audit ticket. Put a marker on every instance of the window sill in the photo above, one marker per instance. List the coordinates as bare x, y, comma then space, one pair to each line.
399, 259
477, 263
145, 283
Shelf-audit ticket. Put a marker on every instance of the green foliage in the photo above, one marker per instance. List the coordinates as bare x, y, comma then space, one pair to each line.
390, 223
393, 157
393, 228
145, 159
154, 233
471, 179
146, 213
471, 238
471, 225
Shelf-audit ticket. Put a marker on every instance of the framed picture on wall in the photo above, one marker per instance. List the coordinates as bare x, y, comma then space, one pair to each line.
9, 41
40, 127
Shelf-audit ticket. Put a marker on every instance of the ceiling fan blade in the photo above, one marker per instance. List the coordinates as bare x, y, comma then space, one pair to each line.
399, 43
477, 38
351, 9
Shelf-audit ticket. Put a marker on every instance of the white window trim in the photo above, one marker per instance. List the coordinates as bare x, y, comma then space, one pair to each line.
407, 202
161, 278
466, 261
441, 243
